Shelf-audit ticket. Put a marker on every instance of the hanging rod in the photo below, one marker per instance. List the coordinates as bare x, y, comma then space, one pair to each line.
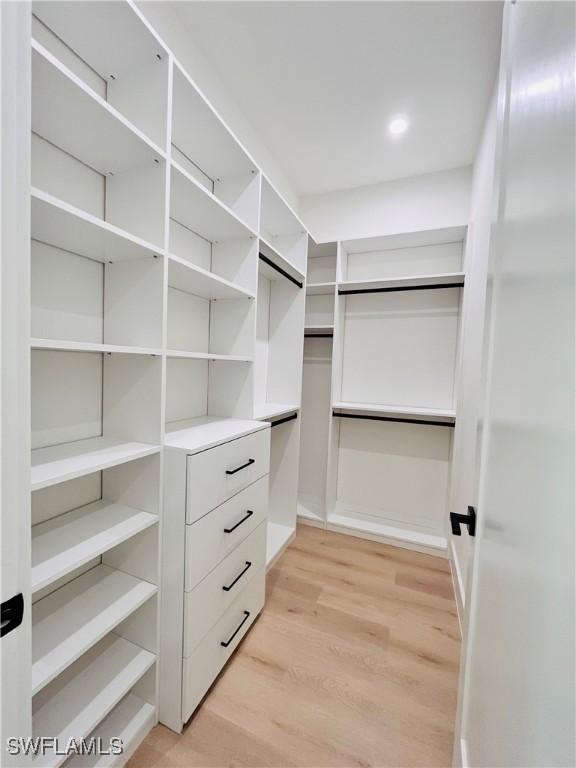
319, 335
280, 270
428, 422
284, 420
432, 286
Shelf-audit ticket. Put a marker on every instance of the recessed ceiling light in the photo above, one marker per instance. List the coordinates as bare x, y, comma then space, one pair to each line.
398, 125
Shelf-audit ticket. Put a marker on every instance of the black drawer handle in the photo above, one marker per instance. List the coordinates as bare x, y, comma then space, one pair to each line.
249, 513
233, 471
226, 643
237, 579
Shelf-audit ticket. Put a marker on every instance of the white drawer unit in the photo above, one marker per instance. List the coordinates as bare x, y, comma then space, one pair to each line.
209, 599
203, 665
216, 485
211, 538
219, 473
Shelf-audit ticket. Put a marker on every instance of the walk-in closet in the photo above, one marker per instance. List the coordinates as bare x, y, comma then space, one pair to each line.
273, 285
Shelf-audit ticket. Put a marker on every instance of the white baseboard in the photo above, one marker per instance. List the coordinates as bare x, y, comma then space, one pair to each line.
387, 534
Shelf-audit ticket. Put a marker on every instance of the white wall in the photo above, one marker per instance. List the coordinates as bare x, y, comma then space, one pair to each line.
463, 489
167, 24
430, 201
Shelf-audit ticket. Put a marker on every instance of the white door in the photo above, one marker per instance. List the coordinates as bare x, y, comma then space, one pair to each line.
15, 681
517, 692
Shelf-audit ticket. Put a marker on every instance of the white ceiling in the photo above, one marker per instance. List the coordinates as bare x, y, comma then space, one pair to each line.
319, 81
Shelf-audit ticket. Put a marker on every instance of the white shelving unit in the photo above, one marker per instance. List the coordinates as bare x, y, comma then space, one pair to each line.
157, 251
316, 384
378, 398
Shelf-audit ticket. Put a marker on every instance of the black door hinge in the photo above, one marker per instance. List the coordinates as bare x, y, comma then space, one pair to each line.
11, 613
469, 520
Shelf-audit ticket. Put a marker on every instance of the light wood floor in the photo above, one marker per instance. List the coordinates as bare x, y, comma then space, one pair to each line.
353, 662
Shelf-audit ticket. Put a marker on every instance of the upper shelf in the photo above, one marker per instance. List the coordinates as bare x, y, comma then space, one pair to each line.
63, 345
447, 280
406, 240
60, 463
198, 209
64, 226
200, 134
315, 289
110, 37
74, 118
442, 415
266, 411
277, 216
189, 355
185, 276
279, 260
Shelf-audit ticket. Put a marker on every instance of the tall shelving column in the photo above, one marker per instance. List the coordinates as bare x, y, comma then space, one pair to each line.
316, 384
396, 331
283, 252
99, 141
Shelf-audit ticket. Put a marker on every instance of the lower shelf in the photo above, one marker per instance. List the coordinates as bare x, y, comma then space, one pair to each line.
67, 542
129, 721
75, 617
277, 539
399, 537
74, 704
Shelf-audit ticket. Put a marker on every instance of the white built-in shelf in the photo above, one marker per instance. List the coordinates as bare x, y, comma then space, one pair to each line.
446, 415
69, 541
73, 618
326, 330
316, 289
194, 206
64, 226
417, 281
59, 463
185, 276
266, 411
72, 116
268, 250
201, 135
184, 354
60, 345
75, 704
277, 217
194, 435
406, 240
129, 721
402, 537
277, 538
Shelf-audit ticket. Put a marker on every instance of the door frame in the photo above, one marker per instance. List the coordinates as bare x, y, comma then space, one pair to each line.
15, 544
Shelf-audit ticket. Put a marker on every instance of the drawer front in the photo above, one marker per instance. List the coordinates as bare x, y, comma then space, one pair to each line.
204, 605
217, 474
202, 667
211, 538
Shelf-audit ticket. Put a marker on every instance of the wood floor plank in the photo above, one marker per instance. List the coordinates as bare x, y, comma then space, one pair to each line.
353, 662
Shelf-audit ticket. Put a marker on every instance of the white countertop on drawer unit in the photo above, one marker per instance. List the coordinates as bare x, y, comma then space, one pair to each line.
195, 435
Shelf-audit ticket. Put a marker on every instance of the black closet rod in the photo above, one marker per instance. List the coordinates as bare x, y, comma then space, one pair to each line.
318, 335
432, 286
284, 420
280, 270
428, 422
